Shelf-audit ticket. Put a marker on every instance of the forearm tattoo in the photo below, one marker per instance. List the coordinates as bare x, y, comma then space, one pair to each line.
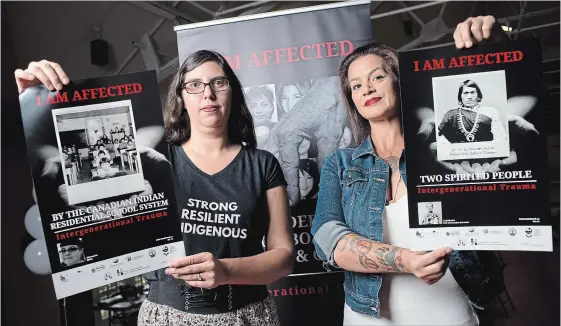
391, 258
342, 244
385, 256
367, 262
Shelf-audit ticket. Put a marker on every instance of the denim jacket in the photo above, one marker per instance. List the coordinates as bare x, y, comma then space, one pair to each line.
351, 199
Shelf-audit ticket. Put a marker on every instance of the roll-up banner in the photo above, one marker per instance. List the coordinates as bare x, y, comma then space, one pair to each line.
288, 64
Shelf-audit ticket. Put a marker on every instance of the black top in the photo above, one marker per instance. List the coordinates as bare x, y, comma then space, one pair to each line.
451, 129
225, 214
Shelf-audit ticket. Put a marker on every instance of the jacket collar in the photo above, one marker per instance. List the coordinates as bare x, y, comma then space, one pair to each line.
364, 148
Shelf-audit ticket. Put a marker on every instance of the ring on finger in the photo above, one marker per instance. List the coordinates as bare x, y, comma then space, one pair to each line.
200, 277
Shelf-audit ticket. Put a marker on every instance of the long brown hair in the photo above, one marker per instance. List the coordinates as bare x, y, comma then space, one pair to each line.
176, 120
359, 125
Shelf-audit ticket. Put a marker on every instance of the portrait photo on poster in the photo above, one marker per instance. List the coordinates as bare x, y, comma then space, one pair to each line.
71, 252
471, 116
289, 94
262, 104
430, 213
106, 165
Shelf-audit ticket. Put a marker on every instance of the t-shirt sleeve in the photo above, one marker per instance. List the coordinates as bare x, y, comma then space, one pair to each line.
274, 175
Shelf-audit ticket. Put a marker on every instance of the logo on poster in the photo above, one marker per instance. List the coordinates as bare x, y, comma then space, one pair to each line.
512, 231
98, 268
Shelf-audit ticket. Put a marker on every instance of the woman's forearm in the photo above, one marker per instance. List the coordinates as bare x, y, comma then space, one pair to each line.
358, 254
260, 269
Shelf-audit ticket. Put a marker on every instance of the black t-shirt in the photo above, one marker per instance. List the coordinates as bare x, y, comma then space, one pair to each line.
225, 213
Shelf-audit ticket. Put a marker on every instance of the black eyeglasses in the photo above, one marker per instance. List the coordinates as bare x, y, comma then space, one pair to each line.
70, 250
197, 87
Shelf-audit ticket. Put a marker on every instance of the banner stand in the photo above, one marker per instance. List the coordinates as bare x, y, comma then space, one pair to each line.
287, 62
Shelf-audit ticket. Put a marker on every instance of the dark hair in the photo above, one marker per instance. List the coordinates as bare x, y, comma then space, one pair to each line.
176, 120
302, 88
311, 168
359, 125
469, 83
313, 150
260, 91
71, 242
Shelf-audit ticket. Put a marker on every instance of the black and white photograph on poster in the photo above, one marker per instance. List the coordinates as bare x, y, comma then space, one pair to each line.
470, 112
102, 168
289, 94
309, 132
308, 176
262, 104
476, 154
346, 137
71, 251
430, 213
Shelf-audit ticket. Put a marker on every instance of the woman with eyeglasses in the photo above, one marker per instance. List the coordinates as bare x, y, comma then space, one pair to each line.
71, 252
230, 196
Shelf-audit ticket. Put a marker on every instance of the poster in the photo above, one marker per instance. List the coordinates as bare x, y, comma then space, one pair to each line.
102, 178
475, 147
291, 84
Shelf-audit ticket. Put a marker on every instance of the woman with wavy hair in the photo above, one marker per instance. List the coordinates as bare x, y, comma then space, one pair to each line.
362, 220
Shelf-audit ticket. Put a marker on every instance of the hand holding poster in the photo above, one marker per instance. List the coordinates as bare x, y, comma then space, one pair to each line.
102, 179
476, 151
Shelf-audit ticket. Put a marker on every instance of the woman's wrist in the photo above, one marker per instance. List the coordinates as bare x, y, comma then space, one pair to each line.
407, 256
227, 270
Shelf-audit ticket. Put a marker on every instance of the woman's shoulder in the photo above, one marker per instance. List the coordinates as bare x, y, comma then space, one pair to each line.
341, 157
257, 155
